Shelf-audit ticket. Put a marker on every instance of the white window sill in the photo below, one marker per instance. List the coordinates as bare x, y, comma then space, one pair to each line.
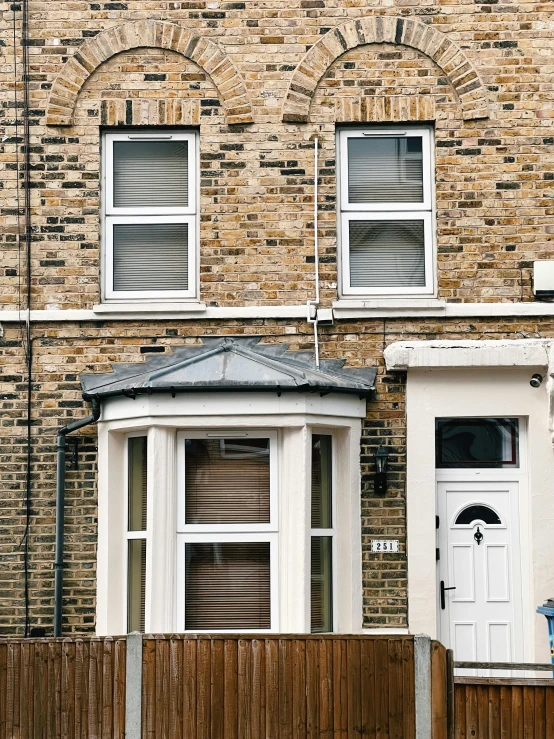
143, 308
388, 307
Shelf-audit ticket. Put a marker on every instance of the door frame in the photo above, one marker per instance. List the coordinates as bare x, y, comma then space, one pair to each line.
488, 475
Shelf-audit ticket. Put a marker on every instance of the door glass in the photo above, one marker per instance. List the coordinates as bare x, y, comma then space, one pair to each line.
480, 513
477, 442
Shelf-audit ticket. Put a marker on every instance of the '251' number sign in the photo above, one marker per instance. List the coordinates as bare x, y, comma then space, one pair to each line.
384, 545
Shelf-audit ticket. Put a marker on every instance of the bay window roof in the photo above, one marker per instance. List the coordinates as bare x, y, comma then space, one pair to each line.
230, 363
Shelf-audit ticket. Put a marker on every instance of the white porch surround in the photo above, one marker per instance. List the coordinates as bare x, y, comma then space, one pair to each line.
293, 415
479, 378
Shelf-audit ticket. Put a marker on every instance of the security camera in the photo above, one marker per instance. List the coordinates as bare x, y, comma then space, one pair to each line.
536, 380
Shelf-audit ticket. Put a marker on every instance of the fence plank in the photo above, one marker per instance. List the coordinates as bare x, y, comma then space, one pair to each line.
203, 689
382, 688
271, 688
175, 689
299, 687
189, 688
367, 687
217, 669
230, 692
312, 689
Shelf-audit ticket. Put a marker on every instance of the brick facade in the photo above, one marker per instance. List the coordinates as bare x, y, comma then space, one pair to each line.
259, 81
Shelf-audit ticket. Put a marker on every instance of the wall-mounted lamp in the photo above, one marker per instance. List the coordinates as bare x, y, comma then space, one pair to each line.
381, 464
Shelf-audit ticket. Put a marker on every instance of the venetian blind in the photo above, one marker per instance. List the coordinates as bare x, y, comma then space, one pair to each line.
150, 256
387, 253
136, 584
321, 585
150, 174
321, 481
227, 481
385, 170
227, 586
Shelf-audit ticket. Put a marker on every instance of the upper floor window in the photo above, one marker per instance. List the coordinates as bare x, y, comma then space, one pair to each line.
387, 211
150, 215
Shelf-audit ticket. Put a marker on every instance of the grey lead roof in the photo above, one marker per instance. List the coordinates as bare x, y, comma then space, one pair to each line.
230, 363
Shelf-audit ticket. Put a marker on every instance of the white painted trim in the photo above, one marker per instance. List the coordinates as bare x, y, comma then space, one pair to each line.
162, 312
404, 355
342, 309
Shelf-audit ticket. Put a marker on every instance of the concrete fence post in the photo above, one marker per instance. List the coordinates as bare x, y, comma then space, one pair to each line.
133, 686
422, 665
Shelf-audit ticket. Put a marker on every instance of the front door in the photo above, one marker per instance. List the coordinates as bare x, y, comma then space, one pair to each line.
479, 558
479, 568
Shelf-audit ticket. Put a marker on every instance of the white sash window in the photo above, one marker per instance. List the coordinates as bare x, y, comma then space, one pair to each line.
387, 211
150, 215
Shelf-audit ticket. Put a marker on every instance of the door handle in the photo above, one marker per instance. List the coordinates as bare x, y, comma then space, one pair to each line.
443, 591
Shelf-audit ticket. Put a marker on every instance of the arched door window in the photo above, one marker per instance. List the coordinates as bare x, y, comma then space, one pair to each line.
477, 514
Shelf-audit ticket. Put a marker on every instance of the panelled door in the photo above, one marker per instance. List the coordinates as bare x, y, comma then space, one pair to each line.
479, 568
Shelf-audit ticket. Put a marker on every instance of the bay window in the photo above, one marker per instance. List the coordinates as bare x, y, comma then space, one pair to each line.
386, 211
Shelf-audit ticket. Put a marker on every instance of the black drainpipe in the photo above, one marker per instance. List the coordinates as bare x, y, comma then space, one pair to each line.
60, 510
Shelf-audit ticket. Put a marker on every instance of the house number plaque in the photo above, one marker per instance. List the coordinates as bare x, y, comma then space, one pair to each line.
384, 545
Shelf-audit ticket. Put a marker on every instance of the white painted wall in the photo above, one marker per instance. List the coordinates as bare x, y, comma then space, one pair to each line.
491, 391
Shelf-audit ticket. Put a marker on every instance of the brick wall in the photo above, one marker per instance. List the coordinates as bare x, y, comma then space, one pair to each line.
494, 180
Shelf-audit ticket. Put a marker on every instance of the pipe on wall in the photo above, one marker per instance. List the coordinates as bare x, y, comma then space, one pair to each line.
60, 509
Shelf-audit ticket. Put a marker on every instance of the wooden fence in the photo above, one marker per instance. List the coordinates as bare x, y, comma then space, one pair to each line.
283, 687
504, 708
257, 687
62, 688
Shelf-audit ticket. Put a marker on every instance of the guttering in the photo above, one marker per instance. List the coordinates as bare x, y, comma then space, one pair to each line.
60, 509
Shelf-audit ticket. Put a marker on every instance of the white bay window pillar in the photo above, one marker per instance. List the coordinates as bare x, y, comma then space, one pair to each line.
162, 530
294, 527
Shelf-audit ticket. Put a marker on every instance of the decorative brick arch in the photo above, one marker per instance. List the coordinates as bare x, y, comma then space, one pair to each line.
153, 34
385, 29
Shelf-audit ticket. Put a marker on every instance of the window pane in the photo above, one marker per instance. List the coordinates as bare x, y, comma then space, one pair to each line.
321, 584
137, 484
150, 174
386, 169
387, 253
227, 481
478, 513
477, 442
322, 481
227, 586
136, 581
150, 256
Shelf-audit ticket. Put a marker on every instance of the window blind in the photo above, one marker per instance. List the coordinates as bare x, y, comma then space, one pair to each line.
137, 483
387, 253
136, 584
227, 586
321, 481
150, 256
321, 598
227, 481
385, 170
150, 174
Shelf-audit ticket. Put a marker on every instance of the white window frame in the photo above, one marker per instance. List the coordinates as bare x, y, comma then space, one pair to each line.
220, 533
387, 211
112, 216
183, 527
215, 538
133, 535
331, 532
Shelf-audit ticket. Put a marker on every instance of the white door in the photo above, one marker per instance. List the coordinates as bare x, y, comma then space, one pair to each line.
479, 570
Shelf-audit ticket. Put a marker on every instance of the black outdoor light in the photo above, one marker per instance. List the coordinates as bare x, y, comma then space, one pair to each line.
381, 464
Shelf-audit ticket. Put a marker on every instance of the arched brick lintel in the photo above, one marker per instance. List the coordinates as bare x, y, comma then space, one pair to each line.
377, 30
151, 34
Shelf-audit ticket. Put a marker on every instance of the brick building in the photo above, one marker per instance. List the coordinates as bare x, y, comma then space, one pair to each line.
166, 157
